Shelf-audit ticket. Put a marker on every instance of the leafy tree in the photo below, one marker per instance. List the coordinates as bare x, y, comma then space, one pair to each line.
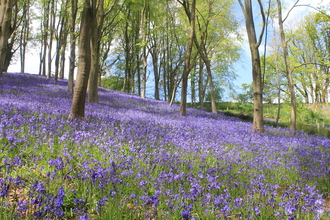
310, 51
247, 93
112, 82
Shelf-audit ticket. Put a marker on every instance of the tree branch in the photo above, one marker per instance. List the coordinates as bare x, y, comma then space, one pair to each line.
305, 64
316, 9
287, 15
263, 22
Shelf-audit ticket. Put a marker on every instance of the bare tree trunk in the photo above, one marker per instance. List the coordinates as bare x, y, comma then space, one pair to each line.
72, 64
61, 41
51, 36
288, 71
97, 23
154, 55
5, 30
278, 88
62, 59
45, 36
84, 64
258, 125
200, 83
187, 66
24, 33
210, 80
41, 55
144, 22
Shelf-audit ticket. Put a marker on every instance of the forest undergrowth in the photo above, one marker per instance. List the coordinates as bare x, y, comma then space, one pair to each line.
134, 158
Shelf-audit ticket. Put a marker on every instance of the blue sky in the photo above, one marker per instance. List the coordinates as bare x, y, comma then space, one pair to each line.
243, 66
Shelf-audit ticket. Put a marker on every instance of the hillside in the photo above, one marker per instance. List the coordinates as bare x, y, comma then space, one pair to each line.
134, 158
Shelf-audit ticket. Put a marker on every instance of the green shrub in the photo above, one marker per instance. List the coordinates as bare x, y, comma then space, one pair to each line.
112, 82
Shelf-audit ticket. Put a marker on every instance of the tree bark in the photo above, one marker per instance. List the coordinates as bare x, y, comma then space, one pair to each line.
51, 36
73, 38
200, 83
287, 69
97, 23
45, 27
154, 54
60, 36
258, 125
144, 23
84, 64
5, 30
187, 66
24, 35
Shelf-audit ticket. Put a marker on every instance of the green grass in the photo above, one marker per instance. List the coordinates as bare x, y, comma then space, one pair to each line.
312, 119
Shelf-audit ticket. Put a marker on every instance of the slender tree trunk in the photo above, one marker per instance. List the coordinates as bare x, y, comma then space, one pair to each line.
97, 23
126, 85
24, 33
62, 59
73, 38
193, 88
287, 70
200, 83
61, 40
258, 125
210, 79
187, 67
154, 55
45, 36
278, 88
144, 22
84, 64
57, 59
51, 36
41, 57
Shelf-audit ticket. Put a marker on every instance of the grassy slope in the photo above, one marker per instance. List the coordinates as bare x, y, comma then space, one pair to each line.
313, 119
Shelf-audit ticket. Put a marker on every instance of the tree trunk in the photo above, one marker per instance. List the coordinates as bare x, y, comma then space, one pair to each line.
72, 64
61, 40
200, 83
154, 55
278, 88
51, 36
5, 30
187, 67
24, 33
84, 64
258, 125
144, 23
213, 104
62, 59
97, 23
45, 36
287, 70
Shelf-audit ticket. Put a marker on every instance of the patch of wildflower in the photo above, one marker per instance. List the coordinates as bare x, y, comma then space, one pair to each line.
136, 158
